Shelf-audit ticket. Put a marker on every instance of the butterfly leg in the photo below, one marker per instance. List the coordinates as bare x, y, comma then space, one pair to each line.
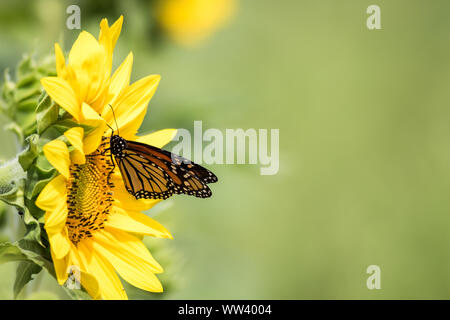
105, 151
112, 170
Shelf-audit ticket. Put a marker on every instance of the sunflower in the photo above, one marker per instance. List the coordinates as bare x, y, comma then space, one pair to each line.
189, 22
93, 224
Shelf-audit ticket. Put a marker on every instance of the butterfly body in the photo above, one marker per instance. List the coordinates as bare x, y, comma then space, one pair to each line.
118, 144
149, 172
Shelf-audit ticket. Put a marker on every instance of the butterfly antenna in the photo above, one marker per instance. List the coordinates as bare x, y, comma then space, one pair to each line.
110, 128
115, 120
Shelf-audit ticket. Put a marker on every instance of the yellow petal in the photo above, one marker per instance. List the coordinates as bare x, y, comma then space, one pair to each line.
87, 280
60, 266
189, 22
127, 248
138, 273
136, 222
115, 31
70, 76
131, 106
139, 276
59, 243
104, 37
72, 264
119, 81
62, 93
74, 257
77, 157
75, 137
159, 138
85, 51
90, 63
90, 284
55, 220
105, 40
92, 118
110, 286
60, 60
57, 154
53, 194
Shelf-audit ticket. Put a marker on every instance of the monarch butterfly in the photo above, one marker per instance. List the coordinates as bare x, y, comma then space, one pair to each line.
149, 172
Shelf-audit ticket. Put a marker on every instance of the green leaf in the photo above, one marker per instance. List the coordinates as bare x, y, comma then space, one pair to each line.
38, 178
3, 213
25, 66
31, 252
63, 125
10, 252
37, 253
32, 226
46, 114
27, 81
27, 122
32, 258
27, 157
12, 195
7, 94
24, 274
11, 183
26, 250
29, 105
14, 128
12, 192
27, 88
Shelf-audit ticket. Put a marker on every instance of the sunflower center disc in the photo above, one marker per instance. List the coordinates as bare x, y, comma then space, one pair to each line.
90, 195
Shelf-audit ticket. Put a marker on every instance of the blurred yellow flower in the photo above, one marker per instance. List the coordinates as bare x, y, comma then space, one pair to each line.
93, 224
189, 22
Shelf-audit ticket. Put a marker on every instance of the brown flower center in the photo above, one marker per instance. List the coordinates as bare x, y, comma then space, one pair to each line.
90, 195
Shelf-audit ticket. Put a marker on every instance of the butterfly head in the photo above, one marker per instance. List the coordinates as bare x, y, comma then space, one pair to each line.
118, 144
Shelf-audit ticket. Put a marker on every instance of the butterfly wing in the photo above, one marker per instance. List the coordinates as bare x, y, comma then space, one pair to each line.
142, 178
185, 165
152, 173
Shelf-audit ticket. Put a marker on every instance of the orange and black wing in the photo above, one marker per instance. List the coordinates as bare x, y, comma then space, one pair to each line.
144, 179
152, 173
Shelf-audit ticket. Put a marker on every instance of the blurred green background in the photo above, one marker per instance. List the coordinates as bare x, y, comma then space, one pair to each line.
364, 145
